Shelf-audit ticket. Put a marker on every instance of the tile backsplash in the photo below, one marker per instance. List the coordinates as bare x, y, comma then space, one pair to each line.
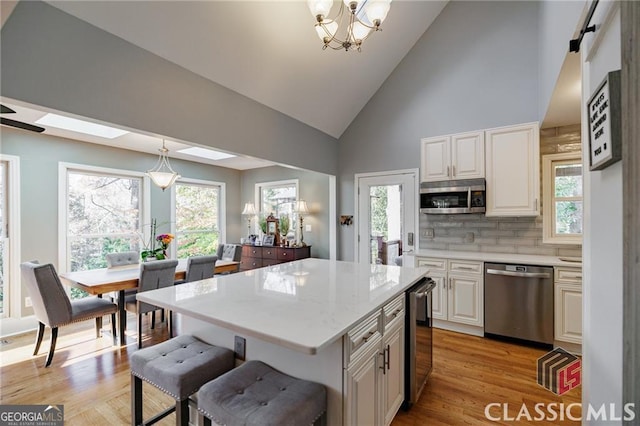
522, 235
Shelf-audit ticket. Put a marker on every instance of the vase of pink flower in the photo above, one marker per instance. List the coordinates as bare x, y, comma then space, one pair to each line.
158, 245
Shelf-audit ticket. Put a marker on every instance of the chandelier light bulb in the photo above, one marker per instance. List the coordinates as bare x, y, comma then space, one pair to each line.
326, 30
320, 7
359, 32
352, 25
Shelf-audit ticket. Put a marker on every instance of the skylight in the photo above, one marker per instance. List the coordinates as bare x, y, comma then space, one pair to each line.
81, 126
206, 153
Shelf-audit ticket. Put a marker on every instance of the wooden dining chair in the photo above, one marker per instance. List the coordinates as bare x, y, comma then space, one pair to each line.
52, 306
153, 275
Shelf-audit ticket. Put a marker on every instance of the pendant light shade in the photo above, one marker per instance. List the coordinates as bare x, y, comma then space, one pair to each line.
162, 174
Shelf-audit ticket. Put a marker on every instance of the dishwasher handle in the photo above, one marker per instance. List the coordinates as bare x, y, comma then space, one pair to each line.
519, 274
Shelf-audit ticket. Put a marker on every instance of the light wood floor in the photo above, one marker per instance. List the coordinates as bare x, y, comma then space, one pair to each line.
91, 378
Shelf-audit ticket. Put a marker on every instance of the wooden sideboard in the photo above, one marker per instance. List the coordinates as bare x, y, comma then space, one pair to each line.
257, 257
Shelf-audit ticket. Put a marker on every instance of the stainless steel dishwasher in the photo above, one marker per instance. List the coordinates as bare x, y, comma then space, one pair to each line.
518, 302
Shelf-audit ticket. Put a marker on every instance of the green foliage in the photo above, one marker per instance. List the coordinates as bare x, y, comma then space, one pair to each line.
284, 224
379, 202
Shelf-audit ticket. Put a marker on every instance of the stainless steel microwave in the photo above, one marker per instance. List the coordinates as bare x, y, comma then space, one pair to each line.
453, 197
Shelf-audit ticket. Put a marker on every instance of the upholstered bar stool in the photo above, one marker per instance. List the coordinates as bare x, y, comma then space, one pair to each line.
177, 367
255, 394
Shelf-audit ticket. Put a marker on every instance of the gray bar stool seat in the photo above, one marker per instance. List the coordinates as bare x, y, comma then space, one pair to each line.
256, 394
177, 367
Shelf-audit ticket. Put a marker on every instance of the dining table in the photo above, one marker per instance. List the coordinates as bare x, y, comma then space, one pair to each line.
121, 278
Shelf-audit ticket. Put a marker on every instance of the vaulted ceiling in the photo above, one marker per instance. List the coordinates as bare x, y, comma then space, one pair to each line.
267, 50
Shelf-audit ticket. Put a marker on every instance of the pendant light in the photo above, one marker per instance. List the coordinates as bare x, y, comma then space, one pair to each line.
162, 174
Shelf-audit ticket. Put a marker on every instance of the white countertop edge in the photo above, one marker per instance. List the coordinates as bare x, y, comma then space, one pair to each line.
528, 259
310, 350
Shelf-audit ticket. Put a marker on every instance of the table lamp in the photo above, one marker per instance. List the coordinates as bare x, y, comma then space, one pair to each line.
301, 209
249, 211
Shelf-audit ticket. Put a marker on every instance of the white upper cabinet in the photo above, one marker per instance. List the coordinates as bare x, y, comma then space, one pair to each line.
513, 170
436, 159
459, 156
467, 155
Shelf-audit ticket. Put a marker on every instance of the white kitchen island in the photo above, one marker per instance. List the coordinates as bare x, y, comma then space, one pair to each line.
294, 316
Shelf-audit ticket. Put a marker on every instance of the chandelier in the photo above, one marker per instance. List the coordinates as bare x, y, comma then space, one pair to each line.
162, 174
361, 19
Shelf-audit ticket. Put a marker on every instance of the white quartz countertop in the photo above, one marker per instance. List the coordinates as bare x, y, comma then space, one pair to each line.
525, 259
303, 305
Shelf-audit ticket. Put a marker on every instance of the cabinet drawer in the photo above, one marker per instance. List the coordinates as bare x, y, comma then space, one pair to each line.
568, 275
465, 266
250, 263
432, 263
269, 253
251, 251
362, 336
393, 312
286, 254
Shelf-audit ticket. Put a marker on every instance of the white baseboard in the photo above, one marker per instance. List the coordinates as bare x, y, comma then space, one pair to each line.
460, 328
14, 326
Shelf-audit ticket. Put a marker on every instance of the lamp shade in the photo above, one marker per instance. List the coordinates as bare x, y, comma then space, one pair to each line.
377, 10
301, 207
320, 7
163, 179
249, 209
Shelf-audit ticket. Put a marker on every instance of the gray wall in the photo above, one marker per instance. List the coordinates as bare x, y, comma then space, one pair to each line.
314, 189
474, 68
558, 22
52, 59
39, 157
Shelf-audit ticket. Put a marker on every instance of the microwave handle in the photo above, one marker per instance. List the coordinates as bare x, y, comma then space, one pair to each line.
469, 197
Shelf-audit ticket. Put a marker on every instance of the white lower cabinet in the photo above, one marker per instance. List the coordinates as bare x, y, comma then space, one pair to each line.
459, 292
568, 304
374, 360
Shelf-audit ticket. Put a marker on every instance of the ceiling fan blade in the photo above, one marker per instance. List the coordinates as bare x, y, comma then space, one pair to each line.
21, 125
6, 110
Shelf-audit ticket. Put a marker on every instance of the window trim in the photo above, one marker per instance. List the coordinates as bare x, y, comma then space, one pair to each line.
63, 194
549, 235
13, 303
258, 201
222, 217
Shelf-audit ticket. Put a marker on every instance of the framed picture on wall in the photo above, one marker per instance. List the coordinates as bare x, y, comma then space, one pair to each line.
605, 147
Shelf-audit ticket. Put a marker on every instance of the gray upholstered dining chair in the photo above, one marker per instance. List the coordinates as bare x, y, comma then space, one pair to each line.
122, 258
230, 252
153, 275
199, 268
52, 306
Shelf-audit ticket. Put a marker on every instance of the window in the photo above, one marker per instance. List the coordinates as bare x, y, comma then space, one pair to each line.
280, 199
198, 222
102, 213
10, 292
562, 207
4, 246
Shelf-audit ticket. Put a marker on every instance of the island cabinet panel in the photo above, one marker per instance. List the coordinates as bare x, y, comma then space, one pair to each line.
256, 257
374, 367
